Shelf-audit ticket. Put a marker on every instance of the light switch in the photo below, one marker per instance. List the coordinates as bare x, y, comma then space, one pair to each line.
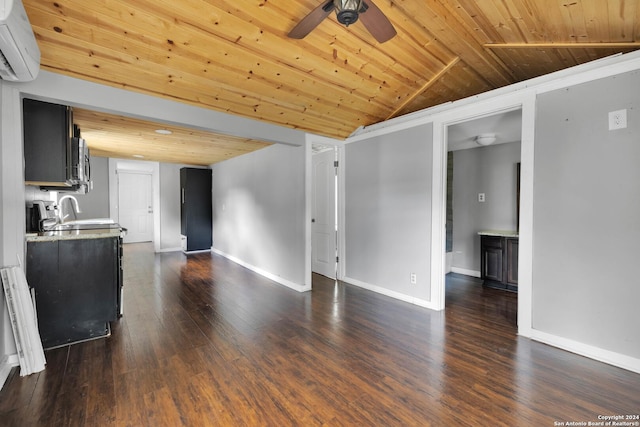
481, 197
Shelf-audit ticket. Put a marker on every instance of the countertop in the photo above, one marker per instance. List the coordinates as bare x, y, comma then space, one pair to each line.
498, 233
102, 231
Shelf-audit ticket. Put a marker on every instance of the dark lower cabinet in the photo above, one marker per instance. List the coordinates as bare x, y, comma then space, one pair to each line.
77, 286
499, 262
511, 270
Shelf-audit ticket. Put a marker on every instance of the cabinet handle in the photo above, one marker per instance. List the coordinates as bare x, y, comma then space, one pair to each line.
183, 196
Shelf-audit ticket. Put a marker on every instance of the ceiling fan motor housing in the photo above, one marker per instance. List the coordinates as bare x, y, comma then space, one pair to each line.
347, 11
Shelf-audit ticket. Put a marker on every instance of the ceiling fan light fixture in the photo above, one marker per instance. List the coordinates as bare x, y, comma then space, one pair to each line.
347, 11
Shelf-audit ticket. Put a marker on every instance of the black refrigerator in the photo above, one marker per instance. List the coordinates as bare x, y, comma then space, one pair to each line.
195, 209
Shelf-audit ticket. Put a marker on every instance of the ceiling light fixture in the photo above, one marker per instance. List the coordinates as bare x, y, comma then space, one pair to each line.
347, 11
163, 131
486, 138
138, 156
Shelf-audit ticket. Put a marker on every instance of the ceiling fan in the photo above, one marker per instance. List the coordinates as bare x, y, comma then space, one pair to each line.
347, 12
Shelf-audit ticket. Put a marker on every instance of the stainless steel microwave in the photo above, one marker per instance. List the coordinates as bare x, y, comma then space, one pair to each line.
80, 162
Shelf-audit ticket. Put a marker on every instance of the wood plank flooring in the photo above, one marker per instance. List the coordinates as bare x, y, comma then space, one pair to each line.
205, 342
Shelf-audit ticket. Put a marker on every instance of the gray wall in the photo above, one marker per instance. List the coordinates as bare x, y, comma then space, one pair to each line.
94, 204
490, 170
170, 205
388, 211
259, 210
586, 215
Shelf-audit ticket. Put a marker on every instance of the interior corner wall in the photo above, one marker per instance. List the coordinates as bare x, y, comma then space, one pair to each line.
388, 211
259, 210
491, 170
585, 219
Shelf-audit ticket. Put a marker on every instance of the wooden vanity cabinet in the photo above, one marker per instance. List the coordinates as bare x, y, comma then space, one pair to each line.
499, 262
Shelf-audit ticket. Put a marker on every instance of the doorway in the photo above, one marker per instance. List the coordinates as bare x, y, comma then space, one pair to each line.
324, 212
135, 205
482, 191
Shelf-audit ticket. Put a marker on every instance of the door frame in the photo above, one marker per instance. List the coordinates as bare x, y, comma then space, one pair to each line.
135, 166
526, 102
310, 140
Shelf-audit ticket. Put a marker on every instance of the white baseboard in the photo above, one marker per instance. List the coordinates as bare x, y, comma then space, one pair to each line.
472, 273
163, 250
616, 359
393, 294
9, 362
289, 284
199, 251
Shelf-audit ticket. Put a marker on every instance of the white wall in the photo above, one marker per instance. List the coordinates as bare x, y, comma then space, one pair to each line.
490, 170
388, 213
259, 212
587, 215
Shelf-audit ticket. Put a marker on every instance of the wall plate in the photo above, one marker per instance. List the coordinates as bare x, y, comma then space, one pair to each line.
618, 119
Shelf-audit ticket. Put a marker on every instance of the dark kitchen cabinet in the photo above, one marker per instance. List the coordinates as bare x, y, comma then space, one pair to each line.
195, 209
511, 255
499, 261
48, 129
77, 284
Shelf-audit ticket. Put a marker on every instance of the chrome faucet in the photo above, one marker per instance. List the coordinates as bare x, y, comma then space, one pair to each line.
75, 202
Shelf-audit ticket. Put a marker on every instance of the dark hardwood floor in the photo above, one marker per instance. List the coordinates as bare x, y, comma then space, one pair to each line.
206, 342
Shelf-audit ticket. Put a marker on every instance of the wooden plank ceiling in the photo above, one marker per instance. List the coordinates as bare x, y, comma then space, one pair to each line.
234, 56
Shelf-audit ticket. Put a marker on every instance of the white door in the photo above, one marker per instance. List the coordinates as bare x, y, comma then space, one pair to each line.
323, 227
135, 206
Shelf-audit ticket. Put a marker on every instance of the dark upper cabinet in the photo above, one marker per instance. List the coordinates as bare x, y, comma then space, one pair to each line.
195, 208
48, 129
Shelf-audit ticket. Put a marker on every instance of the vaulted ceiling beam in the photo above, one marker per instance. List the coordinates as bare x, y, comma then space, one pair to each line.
424, 88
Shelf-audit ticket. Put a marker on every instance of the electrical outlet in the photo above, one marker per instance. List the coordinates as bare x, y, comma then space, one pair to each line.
481, 197
618, 119
414, 278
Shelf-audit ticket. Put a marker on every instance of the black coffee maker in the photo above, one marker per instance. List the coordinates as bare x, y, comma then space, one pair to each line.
41, 215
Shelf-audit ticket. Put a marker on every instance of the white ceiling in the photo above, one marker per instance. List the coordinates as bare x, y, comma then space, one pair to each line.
506, 126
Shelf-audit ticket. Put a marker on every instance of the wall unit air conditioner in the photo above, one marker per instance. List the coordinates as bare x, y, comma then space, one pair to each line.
19, 53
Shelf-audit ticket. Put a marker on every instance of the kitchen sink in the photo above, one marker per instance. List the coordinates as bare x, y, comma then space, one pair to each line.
90, 221
83, 224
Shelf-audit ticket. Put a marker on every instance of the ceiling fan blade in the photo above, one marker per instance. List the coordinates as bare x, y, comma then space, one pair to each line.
312, 20
378, 25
